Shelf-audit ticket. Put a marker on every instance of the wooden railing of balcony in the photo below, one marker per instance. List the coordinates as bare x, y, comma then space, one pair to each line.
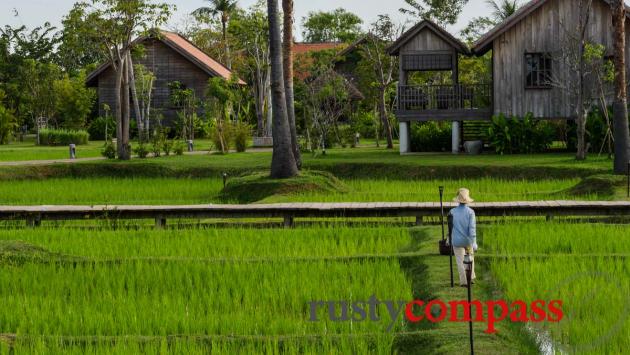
458, 97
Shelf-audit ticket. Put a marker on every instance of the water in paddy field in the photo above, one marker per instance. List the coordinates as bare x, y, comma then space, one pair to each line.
543, 340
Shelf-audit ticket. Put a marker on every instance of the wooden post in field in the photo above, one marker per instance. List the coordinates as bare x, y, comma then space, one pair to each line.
160, 222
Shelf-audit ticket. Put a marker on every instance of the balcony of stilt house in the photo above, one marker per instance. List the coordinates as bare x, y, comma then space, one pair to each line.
429, 48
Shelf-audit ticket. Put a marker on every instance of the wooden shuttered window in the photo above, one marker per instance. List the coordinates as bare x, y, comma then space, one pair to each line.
427, 62
538, 70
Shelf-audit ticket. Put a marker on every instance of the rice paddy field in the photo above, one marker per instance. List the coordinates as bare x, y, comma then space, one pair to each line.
222, 288
226, 290
586, 265
147, 191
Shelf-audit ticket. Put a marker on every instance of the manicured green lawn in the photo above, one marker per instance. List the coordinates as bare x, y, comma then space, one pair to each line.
28, 150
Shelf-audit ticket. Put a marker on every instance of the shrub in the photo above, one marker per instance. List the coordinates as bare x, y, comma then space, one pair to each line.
241, 135
62, 137
167, 147
596, 129
98, 126
141, 151
365, 123
74, 101
179, 147
431, 137
520, 135
347, 136
8, 124
225, 134
156, 149
109, 151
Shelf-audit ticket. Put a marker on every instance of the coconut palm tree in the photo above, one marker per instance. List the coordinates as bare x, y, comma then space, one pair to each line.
283, 163
620, 105
222, 8
287, 52
502, 9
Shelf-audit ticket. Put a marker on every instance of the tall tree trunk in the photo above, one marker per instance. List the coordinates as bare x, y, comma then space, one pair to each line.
581, 135
620, 105
118, 110
580, 111
134, 97
283, 161
147, 113
125, 152
382, 112
287, 52
226, 45
259, 102
269, 124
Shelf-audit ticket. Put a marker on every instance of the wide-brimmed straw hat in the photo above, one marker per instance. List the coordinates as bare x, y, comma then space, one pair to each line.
463, 196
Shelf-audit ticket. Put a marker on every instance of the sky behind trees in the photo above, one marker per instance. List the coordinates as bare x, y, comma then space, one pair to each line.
32, 13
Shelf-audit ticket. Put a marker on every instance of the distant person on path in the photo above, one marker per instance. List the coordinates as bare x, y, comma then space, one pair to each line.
464, 233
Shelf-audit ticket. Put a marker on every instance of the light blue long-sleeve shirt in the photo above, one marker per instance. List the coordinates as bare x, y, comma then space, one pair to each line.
464, 226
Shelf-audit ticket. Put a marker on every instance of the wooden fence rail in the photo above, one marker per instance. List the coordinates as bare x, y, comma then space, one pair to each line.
33, 215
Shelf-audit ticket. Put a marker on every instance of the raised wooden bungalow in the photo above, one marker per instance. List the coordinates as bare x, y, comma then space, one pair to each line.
523, 47
171, 58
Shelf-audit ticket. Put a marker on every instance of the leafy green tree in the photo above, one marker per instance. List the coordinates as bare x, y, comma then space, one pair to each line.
41, 102
380, 67
187, 102
338, 25
113, 24
73, 101
443, 12
501, 10
8, 123
329, 99
38, 44
223, 9
144, 82
219, 98
76, 51
24, 56
251, 31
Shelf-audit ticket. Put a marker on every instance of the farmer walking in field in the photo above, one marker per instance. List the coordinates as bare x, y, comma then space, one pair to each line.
464, 234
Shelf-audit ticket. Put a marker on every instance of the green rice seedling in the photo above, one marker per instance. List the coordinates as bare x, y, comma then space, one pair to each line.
549, 238
143, 298
93, 191
224, 243
483, 190
103, 191
585, 266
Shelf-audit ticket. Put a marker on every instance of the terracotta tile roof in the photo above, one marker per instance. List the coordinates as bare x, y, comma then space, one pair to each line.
186, 49
301, 53
300, 47
192, 52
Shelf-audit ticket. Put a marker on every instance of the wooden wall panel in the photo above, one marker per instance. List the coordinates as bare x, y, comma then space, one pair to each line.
426, 40
544, 30
168, 66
